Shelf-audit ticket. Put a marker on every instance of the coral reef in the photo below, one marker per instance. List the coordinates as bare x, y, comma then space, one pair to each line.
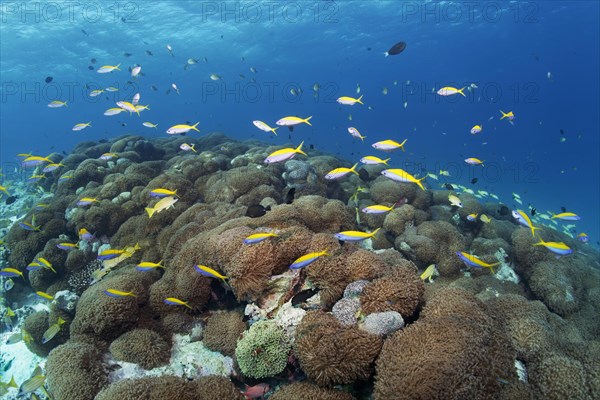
263, 350
333, 354
528, 331
141, 346
223, 330
401, 291
309, 391
74, 371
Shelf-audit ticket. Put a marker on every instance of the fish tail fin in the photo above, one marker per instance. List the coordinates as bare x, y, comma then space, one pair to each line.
362, 138
65, 103
160, 264
461, 91
374, 232
117, 67
150, 211
386, 54
193, 149
504, 115
353, 169
299, 149
89, 123
386, 161
273, 130
60, 321
359, 99
307, 119
194, 127
418, 182
541, 241
185, 303
402, 145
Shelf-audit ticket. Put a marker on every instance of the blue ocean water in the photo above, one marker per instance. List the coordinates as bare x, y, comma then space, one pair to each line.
537, 59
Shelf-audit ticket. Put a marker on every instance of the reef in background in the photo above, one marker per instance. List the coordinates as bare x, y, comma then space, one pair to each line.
356, 322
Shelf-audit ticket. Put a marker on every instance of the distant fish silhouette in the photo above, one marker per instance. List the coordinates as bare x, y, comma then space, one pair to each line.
396, 49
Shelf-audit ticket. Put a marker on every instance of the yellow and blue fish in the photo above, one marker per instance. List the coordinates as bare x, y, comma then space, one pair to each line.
523, 219
307, 259
118, 293
566, 216
471, 260
173, 301
558, 248
209, 272
353, 236
259, 237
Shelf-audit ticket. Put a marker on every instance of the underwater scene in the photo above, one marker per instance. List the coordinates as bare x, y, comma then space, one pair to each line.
299, 200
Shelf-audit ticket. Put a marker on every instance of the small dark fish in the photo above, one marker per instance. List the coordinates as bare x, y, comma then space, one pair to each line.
302, 296
149, 53
91, 68
368, 49
503, 210
474, 181
448, 186
311, 146
291, 128
533, 211
563, 209
11, 199
127, 54
363, 174
93, 61
48, 79
289, 197
123, 20
123, 124
84, 32
396, 49
221, 36
256, 211
562, 132
154, 88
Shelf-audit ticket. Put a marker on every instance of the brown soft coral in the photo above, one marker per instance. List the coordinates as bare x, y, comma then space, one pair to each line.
150, 388
216, 387
433, 242
559, 377
401, 290
333, 354
74, 371
108, 317
223, 330
37, 323
141, 346
309, 391
454, 351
